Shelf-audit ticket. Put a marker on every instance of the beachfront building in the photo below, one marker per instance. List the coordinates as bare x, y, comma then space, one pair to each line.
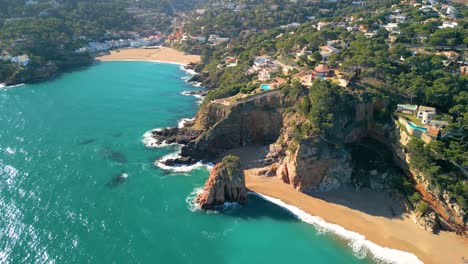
426, 114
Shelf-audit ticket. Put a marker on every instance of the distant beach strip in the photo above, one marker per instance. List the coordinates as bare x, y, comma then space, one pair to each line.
161, 54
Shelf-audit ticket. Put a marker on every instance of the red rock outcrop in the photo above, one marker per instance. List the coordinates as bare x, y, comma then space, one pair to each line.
225, 184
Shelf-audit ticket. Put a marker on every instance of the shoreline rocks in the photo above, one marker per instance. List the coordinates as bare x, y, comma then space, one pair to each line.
225, 184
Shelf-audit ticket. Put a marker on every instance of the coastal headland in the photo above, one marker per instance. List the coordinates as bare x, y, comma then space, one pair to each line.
245, 125
157, 54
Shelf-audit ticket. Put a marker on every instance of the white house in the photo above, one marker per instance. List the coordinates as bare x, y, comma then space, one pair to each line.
22, 60
449, 24
327, 51
426, 113
263, 75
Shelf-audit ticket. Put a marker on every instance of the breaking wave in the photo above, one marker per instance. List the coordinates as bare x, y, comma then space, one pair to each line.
188, 71
182, 122
191, 199
193, 206
150, 142
179, 168
359, 244
2, 85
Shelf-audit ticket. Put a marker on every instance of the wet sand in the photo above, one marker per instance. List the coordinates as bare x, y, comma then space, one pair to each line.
376, 215
162, 54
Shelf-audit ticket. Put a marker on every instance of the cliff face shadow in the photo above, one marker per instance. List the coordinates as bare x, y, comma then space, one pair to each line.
257, 208
365, 200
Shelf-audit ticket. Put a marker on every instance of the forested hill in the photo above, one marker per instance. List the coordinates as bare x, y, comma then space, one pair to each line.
49, 32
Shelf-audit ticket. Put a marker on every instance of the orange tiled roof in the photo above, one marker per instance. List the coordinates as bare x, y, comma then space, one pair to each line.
433, 132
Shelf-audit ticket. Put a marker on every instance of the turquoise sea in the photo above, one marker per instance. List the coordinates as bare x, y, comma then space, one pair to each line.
64, 146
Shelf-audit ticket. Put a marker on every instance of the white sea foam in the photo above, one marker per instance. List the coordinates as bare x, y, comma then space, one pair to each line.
182, 122
196, 84
2, 85
359, 244
178, 168
151, 142
199, 97
193, 206
10, 151
191, 199
188, 71
188, 93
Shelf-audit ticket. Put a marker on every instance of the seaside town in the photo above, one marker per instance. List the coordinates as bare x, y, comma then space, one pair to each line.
339, 108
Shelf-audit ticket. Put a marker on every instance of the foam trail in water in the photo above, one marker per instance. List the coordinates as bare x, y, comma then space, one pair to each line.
178, 168
359, 244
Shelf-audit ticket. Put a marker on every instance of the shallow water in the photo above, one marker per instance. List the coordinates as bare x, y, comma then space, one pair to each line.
78, 185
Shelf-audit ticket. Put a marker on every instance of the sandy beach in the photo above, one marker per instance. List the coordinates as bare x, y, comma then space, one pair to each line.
376, 215
162, 54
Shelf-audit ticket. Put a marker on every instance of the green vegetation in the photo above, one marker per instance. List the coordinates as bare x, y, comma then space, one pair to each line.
422, 207
50, 31
232, 165
440, 171
323, 100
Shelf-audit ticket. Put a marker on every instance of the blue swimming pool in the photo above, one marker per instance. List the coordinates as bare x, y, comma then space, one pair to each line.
416, 127
265, 87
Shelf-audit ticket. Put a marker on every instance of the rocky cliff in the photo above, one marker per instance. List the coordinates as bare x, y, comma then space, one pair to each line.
444, 210
321, 162
220, 126
225, 184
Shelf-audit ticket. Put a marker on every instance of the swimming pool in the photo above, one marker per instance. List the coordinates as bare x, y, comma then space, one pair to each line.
265, 87
416, 127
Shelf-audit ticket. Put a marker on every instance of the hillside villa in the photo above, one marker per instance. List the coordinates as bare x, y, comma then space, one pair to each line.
327, 51
419, 121
321, 71
426, 114
22, 60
